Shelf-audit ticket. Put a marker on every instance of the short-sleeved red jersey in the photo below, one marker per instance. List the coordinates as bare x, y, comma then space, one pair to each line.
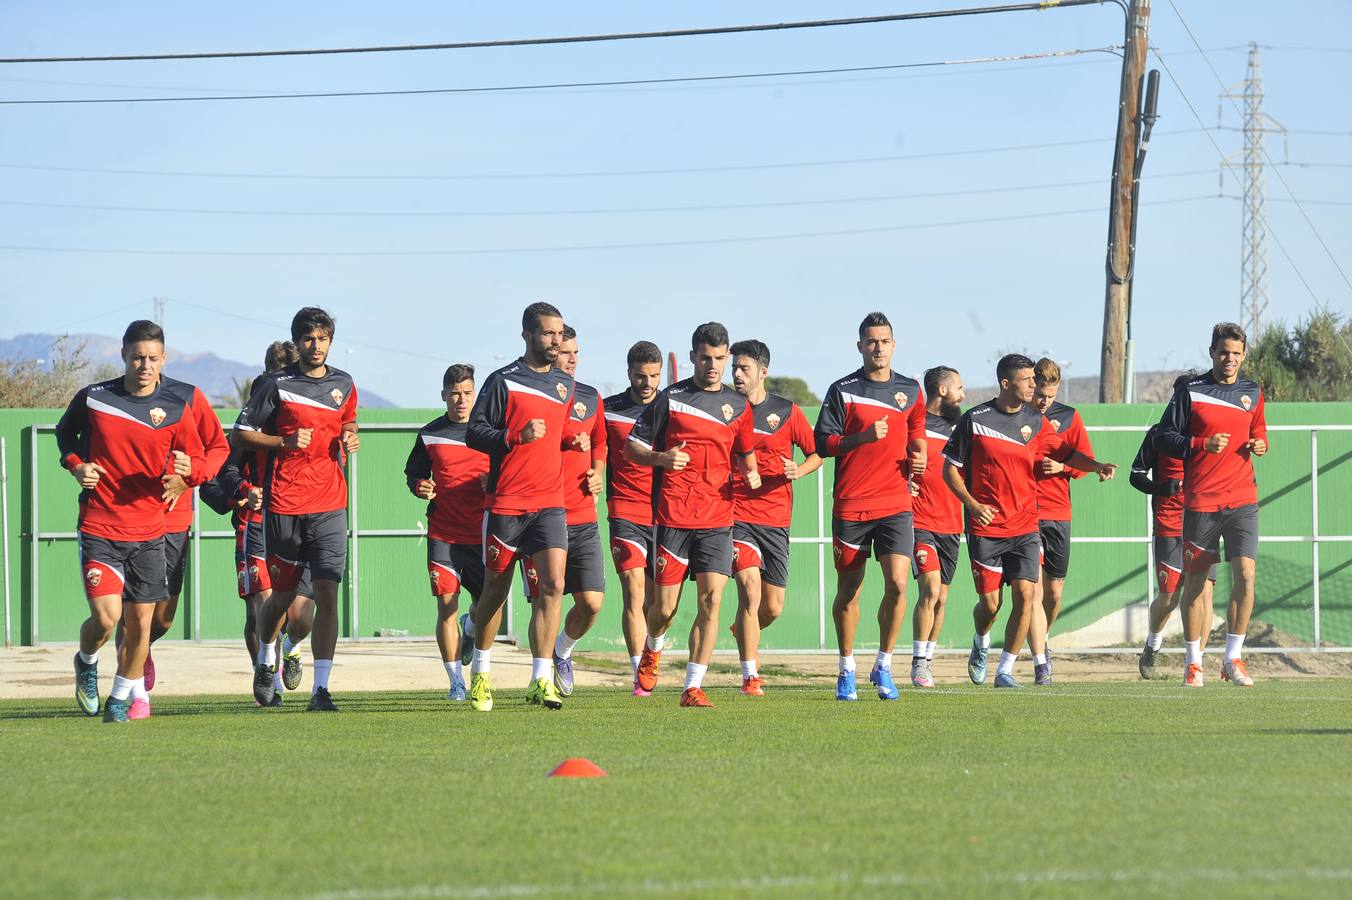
871, 479
132, 438
713, 426
629, 486
310, 479
936, 508
779, 426
522, 478
1200, 409
587, 414
440, 453
215, 448
996, 451
1053, 491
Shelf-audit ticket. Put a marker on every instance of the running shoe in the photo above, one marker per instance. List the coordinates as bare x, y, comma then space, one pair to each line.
87, 686
1006, 680
1146, 664
320, 701
1237, 672
543, 692
149, 673
648, 665
1042, 675
1047, 651
695, 697
139, 709
845, 689
1192, 677
292, 668
263, 688
115, 710
881, 678
457, 691
753, 686
976, 663
276, 701
466, 642
563, 675
480, 691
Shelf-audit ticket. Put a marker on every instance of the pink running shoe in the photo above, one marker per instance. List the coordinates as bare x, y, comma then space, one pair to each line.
150, 673
139, 709
639, 691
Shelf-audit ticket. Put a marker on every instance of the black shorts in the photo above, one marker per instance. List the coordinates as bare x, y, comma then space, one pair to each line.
1055, 547
453, 566
586, 568
764, 547
1169, 563
136, 570
1203, 532
631, 544
317, 540
251, 564
997, 561
175, 560
890, 534
935, 552
691, 551
509, 537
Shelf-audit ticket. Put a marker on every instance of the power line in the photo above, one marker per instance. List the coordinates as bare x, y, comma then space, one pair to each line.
572, 39
569, 248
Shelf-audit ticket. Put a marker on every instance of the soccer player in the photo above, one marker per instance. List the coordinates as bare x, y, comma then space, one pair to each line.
1215, 424
1053, 499
305, 416
124, 440
938, 522
690, 435
629, 490
989, 464
761, 516
444, 471
876, 456
1161, 477
519, 421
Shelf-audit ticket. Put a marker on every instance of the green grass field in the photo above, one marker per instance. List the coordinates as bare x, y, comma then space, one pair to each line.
1112, 790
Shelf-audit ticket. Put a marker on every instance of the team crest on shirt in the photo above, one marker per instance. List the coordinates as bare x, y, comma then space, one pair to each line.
1056, 424
562, 390
1246, 401
93, 576
157, 416
901, 399
1027, 432
580, 409
337, 396
727, 412
773, 420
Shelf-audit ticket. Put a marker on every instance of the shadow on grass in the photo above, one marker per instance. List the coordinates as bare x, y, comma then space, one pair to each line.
1325, 732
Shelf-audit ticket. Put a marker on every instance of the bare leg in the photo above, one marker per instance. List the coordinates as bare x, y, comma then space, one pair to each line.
635, 588
447, 629
845, 608
704, 631
749, 590
892, 607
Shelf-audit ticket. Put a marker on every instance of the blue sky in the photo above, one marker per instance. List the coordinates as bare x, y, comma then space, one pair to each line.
958, 294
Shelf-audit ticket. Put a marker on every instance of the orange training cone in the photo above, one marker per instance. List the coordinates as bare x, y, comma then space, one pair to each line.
577, 767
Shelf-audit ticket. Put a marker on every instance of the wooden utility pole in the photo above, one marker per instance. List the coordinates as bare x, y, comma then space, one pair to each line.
1122, 209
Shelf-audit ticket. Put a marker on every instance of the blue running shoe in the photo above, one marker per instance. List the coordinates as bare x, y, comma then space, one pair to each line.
1006, 680
563, 675
881, 677
87, 686
116, 710
458, 691
1042, 675
976, 663
845, 689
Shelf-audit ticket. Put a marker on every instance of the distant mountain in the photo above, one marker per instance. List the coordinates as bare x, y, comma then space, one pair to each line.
1151, 387
214, 375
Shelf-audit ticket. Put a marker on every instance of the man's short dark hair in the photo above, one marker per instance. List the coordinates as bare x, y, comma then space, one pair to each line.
279, 355
569, 333
142, 330
309, 319
935, 379
457, 373
873, 320
530, 319
643, 353
1183, 379
754, 349
1228, 331
710, 334
1009, 364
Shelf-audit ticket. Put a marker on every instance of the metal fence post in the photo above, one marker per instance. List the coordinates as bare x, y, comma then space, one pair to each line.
195, 561
33, 531
353, 504
4, 534
821, 559
1314, 532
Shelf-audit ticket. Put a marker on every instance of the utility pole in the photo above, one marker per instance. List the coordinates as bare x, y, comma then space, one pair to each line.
1122, 209
159, 310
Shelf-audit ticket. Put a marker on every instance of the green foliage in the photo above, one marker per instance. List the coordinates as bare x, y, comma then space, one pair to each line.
28, 384
791, 388
1311, 361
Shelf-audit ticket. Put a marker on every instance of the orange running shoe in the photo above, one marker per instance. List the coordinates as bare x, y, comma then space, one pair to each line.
753, 686
1193, 676
648, 664
695, 697
1236, 671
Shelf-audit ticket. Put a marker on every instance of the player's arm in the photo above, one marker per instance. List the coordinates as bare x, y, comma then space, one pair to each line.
649, 431
488, 432
744, 448
600, 451
215, 448
917, 448
347, 436
1175, 438
72, 433
1077, 437
1143, 467
250, 431
802, 437
418, 471
1258, 444
979, 512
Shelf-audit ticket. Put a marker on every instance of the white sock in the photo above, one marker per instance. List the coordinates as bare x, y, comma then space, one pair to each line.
289, 648
541, 668
1194, 652
453, 671
322, 668
748, 668
267, 653
1039, 659
277, 684
89, 659
469, 627
918, 649
983, 641
121, 688
138, 689
1006, 666
481, 662
655, 644
1156, 640
694, 675
883, 660
929, 649
633, 661
846, 664
1234, 646
563, 645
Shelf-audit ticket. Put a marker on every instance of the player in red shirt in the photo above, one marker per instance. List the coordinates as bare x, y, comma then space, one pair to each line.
305, 417
124, 440
989, 464
691, 435
629, 495
761, 516
1161, 477
519, 420
1216, 425
873, 422
444, 471
1054, 512
938, 522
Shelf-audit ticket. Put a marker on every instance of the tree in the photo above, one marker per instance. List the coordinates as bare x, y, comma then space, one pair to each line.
237, 398
791, 388
26, 384
1311, 361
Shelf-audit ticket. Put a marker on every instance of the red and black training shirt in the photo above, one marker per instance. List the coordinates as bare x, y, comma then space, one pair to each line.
629, 486
936, 508
1202, 408
587, 415
522, 478
1152, 470
1053, 491
215, 448
779, 426
441, 452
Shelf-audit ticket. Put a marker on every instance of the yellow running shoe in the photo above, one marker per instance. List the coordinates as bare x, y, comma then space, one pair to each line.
480, 691
543, 691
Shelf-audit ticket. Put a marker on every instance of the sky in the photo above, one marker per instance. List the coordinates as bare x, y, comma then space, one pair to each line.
569, 195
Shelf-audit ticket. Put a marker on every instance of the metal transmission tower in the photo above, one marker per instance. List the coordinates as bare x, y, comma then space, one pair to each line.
1254, 296
159, 310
